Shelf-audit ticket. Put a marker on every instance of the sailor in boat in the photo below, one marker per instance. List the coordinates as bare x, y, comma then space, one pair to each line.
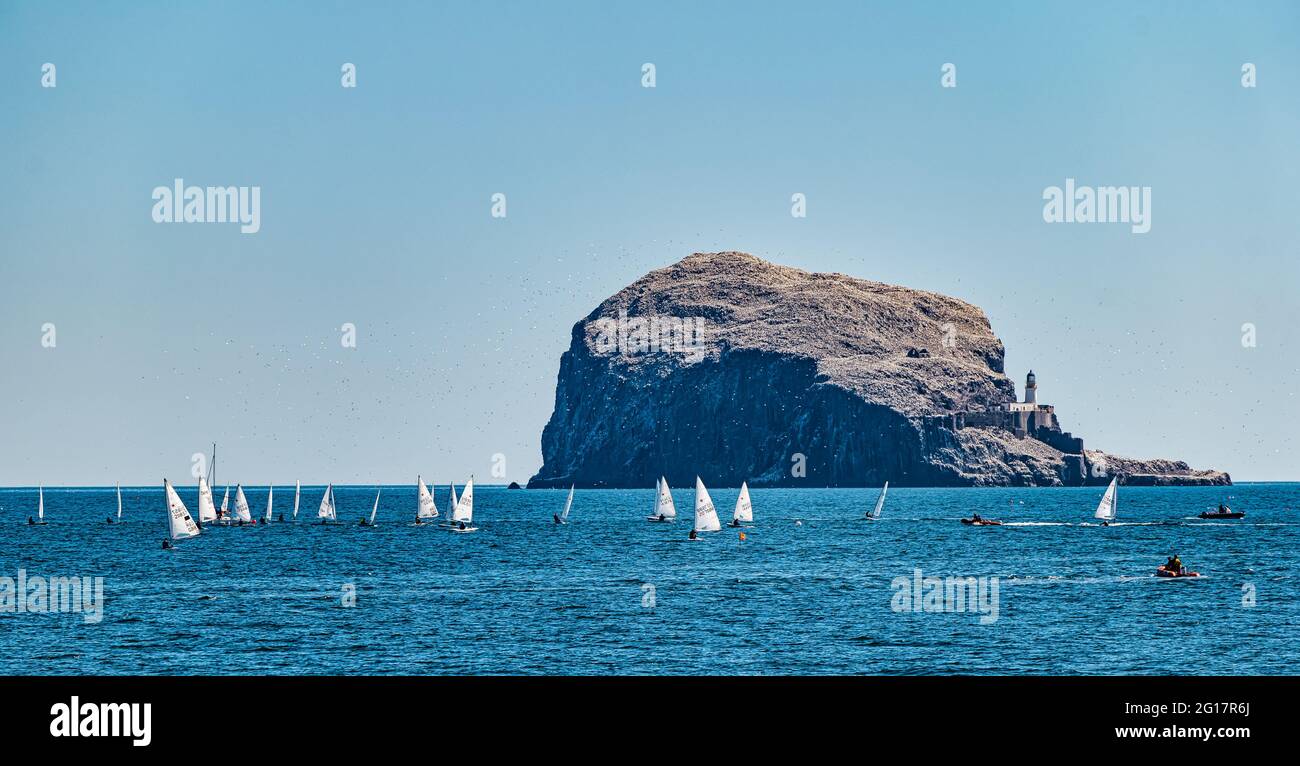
365, 522
693, 535
556, 518
462, 525
734, 523
108, 520
167, 545
975, 517
281, 515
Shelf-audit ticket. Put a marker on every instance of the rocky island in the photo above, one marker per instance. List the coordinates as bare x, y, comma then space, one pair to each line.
734, 368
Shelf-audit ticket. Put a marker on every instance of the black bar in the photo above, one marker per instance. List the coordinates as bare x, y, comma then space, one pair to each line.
242, 715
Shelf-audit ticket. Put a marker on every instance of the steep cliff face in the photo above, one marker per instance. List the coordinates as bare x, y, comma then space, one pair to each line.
733, 368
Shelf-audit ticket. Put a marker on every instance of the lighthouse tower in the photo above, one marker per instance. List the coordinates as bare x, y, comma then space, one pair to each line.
1031, 388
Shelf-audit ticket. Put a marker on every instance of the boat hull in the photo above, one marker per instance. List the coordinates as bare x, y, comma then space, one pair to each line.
1232, 515
981, 523
1162, 572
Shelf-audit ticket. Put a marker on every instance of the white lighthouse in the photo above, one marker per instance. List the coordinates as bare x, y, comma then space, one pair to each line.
1031, 388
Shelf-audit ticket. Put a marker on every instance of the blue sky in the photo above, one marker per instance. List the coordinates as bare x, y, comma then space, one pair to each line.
375, 211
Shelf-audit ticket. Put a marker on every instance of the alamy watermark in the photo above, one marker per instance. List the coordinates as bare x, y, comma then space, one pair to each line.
213, 204
53, 595
647, 335
75, 718
1101, 204
919, 593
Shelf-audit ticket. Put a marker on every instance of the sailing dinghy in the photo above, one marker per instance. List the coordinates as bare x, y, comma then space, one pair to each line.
119, 503
462, 516
242, 515
40, 508
664, 508
223, 515
452, 505
179, 523
328, 513
744, 509
563, 517
270, 493
297, 495
874, 513
373, 511
207, 509
1108, 505
425, 508
706, 516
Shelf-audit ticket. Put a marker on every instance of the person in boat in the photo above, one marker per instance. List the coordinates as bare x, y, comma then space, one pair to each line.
31, 521
1175, 565
734, 523
556, 516
281, 516
167, 544
975, 517
1224, 509
462, 525
109, 520
693, 535
661, 517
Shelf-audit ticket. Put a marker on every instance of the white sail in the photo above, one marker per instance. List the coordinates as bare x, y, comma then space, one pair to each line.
207, 510
464, 510
119, 501
706, 517
664, 501
564, 516
1109, 503
424, 507
297, 495
880, 503
241, 504
270, 492
40, 502
375, 510
179, 523
225, 504
744, 509
454, 501
327, 509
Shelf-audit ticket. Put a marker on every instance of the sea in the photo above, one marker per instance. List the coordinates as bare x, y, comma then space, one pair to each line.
812, 588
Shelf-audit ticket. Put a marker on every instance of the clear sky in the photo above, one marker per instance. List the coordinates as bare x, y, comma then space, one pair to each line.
375, 210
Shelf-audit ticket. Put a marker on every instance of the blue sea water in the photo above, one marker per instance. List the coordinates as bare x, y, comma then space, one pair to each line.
523, 596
